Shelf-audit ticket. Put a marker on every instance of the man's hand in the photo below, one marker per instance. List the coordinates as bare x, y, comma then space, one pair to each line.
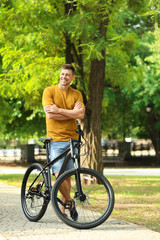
51, 108
53, 112
77, 105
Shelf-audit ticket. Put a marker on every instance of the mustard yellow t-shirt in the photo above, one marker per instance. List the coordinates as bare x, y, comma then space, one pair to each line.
61, 130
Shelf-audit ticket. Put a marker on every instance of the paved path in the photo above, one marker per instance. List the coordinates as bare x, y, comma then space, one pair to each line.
14, 225
133, 171
107, 171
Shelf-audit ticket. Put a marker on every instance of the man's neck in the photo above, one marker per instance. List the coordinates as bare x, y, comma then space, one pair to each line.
63, 88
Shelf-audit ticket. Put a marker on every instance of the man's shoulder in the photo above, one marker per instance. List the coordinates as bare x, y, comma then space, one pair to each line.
48, 95
75, 91
50, 88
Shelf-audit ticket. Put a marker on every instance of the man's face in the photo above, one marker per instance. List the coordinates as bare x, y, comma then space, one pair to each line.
66, 77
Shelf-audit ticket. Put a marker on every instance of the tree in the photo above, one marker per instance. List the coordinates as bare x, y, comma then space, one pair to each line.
95, 46
146, 92
142, 51
34, 47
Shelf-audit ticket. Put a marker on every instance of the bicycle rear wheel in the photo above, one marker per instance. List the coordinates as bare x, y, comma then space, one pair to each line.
34, 193
96, 204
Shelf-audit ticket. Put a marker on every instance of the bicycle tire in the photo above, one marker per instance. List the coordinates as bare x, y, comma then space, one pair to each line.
97, 206
34, 205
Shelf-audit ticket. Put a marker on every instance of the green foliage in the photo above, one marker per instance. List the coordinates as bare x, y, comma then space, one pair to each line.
32, 49
30, 62
117, 117
132, 64
150, 82
21, 123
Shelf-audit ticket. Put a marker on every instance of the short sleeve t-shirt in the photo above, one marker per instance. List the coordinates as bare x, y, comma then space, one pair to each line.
61, 130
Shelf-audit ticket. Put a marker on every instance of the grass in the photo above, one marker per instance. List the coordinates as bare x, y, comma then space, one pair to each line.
137, 198
12, 179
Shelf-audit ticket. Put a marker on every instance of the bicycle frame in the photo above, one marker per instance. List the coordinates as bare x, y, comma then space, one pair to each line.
36, 191
69, 153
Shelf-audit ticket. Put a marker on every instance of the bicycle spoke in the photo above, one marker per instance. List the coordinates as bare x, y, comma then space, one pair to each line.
95, 204
33, 193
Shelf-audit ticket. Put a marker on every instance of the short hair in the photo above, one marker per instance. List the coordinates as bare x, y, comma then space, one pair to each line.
70, 67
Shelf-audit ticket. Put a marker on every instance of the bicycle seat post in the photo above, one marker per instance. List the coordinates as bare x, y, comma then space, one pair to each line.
46, 144
48, 168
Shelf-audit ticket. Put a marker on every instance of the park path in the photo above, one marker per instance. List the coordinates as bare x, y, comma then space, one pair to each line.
14, 225
107, 171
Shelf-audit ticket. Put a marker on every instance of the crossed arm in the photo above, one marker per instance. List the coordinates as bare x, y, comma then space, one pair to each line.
53, 112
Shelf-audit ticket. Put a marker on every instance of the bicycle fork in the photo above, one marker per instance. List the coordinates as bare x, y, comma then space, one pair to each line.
79, 194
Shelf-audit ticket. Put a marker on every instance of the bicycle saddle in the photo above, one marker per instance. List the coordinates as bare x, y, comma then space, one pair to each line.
44, 139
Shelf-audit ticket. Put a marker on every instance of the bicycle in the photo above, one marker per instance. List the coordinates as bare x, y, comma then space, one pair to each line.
91, 191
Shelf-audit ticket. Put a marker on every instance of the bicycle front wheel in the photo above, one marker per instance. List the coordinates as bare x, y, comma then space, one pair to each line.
34, 192
94, 206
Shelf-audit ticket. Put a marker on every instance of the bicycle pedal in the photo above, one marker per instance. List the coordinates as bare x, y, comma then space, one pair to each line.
67, 204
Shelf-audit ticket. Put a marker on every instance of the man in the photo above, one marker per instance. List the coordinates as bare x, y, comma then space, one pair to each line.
63, 105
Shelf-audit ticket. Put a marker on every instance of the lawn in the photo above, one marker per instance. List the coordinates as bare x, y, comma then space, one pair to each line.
12, 179
137, 198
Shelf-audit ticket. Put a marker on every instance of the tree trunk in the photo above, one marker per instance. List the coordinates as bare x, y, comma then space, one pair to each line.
70, 7
93, 114
94, 107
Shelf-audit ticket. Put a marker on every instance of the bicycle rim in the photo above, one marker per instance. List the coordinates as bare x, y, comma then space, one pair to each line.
95, 207
34, 204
